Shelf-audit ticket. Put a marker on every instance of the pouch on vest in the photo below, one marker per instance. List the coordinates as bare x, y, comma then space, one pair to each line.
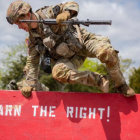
63, 50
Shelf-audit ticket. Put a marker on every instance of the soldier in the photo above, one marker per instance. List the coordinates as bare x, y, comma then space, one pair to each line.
67, 46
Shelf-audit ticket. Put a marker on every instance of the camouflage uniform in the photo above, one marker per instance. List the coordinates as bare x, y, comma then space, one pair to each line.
39, 86
68, 52
69, 46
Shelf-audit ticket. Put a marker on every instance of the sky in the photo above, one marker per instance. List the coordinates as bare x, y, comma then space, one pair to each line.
124, 32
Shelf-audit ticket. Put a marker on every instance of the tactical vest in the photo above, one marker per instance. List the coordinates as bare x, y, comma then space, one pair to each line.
56, 35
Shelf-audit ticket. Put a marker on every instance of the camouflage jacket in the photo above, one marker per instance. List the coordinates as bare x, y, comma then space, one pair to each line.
55, 33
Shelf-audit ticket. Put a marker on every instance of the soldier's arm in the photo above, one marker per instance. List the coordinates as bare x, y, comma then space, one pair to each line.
33, 66
53, 11
72, 7
68, 10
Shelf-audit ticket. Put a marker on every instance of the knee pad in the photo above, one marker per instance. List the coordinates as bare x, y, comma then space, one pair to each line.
61, 73
109, 56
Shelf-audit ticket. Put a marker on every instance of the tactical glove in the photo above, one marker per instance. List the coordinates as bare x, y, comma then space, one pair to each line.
63, 17
26, 91
126, 90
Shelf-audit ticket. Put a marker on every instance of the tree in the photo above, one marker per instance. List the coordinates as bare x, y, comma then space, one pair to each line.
13, 64
15, 71
125, 64
134, 79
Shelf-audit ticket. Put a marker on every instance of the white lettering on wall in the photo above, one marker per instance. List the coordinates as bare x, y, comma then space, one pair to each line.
101, 112
43, 110
17, 110
84, 112
92, 112
1, 110
76, 112
35, 108
51, 111
82, 115
8, 110
70, 112
108, 113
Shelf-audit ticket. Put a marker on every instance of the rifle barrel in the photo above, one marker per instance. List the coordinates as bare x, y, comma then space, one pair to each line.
73, 22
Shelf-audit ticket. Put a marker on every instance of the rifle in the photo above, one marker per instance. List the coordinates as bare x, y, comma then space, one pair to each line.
71, 21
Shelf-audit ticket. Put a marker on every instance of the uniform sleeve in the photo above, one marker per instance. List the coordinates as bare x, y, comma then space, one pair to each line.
33, 66
53, 11
72, 6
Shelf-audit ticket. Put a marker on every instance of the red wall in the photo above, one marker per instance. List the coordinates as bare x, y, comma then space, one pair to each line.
69, 116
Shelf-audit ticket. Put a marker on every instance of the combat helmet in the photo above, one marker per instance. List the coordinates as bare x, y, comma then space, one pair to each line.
16, 10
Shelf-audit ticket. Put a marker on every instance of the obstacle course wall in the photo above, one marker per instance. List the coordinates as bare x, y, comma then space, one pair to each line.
69, 116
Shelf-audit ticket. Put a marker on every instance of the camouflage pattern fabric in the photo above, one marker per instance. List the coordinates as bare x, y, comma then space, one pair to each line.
16, 9
39, 86
24, 83
101, 48
65, 69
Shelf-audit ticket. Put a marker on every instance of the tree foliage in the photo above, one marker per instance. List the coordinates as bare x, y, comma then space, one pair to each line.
15, 71
125, 64
13, 65
134, 79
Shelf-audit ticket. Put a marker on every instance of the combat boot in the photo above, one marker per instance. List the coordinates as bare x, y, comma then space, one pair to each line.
104, 84
12, 85
125, 90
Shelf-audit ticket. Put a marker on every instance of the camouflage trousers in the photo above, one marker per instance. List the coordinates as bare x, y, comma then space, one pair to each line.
66, 70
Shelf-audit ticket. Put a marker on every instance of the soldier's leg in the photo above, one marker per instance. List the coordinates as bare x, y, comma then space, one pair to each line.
65, 71
100, 47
